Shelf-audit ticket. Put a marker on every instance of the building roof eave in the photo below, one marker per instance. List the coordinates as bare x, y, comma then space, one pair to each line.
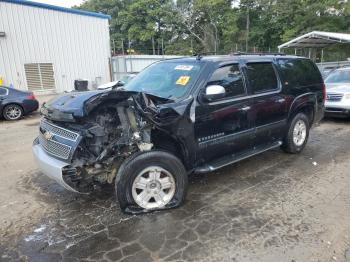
58, 8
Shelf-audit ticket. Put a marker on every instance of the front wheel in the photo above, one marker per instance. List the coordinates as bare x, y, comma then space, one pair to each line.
151, 181
12, 112
298, 134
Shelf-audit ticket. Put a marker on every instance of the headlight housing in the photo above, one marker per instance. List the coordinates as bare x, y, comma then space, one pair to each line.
347, 96
56, 115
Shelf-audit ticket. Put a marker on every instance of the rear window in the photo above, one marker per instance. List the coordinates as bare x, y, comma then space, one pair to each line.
299, 72
262, 77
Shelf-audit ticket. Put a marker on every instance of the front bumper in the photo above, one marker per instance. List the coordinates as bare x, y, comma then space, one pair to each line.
50, 166
337, 109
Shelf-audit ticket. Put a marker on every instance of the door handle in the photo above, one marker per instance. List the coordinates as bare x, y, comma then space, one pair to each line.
246, 108
281, 100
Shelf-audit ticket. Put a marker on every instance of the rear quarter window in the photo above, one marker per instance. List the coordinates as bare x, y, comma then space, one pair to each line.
299, 72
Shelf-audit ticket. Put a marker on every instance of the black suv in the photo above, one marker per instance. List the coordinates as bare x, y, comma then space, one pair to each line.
193, 114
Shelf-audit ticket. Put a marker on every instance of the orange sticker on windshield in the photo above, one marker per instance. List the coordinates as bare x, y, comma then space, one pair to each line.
183, 80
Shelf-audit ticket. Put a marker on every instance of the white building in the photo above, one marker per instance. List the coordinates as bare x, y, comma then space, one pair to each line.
45, 48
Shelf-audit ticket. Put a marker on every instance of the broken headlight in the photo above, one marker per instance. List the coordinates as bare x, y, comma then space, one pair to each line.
56, 115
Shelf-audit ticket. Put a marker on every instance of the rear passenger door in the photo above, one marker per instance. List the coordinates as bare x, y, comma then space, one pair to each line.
268, 107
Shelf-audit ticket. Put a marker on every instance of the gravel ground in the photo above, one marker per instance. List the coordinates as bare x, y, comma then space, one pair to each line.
272, 207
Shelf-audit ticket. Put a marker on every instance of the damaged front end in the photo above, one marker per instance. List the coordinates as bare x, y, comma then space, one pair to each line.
91, 139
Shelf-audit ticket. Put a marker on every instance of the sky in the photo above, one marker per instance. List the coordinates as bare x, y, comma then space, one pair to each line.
64, 3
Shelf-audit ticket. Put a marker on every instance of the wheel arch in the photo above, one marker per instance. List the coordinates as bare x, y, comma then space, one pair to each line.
164, 141
306, 104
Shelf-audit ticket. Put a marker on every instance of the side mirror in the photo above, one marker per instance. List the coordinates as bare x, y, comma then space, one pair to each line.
120, 83
214, 92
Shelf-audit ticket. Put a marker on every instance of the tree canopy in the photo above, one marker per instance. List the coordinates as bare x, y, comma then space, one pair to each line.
220, 26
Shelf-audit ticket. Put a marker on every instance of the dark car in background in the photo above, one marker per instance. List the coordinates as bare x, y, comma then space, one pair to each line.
16, 103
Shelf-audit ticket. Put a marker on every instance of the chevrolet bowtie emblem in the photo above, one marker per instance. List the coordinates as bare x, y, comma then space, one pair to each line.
48, 135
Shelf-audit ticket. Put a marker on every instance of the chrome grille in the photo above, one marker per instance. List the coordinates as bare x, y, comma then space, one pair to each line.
334, 97
59, 131
55, 148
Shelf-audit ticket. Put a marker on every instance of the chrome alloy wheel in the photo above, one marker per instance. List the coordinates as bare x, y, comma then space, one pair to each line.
299, 133
13, 112
153, 188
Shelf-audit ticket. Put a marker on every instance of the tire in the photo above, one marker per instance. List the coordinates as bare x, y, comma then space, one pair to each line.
12, 112
297, 135
149, 181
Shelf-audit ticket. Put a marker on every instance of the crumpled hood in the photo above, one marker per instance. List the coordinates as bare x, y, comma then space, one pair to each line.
67, 107
71, 102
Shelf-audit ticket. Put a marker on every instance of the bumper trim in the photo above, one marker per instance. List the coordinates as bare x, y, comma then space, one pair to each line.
50, 166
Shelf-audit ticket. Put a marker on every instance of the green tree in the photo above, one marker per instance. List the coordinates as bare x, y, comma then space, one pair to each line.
109, 7
221, 26
147, 20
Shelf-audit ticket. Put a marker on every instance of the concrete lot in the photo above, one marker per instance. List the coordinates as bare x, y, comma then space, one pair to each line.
272, 207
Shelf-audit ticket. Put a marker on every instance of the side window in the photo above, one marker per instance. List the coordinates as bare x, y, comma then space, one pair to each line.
299, 72
3, 91
230, 77
262, 77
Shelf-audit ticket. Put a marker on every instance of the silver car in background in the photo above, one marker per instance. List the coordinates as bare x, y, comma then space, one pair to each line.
338, 93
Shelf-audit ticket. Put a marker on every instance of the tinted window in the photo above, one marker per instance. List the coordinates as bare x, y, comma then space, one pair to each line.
339, 76
299, 72
230, 78
262, 77
3, 91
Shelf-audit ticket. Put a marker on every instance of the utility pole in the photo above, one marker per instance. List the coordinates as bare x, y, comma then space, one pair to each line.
153, 47
113, 47
158, 47
192, 46
247, 28
162, 46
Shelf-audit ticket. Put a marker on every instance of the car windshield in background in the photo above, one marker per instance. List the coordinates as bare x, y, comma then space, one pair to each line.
339, 76
168, 80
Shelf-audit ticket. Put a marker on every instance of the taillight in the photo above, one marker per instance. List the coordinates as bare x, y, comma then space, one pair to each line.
31, 97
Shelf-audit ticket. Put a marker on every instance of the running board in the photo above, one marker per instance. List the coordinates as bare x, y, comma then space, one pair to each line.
230, 159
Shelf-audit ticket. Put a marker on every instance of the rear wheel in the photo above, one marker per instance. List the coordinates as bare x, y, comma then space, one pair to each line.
151, 181
298, 134
12, 112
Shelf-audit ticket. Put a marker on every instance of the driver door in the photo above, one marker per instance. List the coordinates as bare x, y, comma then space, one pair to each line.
223, 125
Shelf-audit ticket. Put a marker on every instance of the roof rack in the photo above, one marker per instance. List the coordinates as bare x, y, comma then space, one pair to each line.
260, 54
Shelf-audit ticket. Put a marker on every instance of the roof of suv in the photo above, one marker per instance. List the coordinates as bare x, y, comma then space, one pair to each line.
227, 58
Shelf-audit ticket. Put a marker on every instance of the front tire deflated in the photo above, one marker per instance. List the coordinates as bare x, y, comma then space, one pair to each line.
150, 181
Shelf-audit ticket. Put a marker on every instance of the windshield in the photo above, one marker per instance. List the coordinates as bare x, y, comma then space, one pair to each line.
166, 79
339, 76
125, 79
